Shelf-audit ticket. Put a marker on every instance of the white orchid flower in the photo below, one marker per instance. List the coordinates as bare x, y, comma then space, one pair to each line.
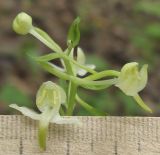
49, 98
131, 81
81, 59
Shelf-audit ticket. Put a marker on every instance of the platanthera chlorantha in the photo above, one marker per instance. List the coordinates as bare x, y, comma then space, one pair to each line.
51, 97
48, 100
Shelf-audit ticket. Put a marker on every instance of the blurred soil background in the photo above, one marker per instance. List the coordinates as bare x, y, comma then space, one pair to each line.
113, 32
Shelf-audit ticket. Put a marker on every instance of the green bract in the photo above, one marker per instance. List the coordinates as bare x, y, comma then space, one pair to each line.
49, 98
22, 23
74, 33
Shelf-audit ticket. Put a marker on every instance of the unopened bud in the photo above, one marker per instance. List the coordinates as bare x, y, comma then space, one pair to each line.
22, 23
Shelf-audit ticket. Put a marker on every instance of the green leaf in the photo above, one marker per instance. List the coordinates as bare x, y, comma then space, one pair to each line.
73, 37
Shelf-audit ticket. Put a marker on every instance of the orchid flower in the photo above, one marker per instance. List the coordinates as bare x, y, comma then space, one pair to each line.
49, 98
81, 59
131, 81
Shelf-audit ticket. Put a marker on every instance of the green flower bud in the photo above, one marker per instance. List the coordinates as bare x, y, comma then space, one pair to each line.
131, 80
50, 95
22, 23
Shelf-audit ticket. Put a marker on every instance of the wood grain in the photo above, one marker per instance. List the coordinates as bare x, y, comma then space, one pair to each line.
97, 136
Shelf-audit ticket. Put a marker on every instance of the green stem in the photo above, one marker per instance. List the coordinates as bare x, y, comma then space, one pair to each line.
62, 75
89, 108
71, 97
103, 74
72, 88
47, 57
141, 103
44, 38
52, 56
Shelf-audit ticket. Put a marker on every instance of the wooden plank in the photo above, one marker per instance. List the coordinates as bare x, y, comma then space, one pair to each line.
97, 136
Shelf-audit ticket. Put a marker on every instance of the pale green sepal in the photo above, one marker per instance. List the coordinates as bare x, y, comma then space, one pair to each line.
50, 95
26, 111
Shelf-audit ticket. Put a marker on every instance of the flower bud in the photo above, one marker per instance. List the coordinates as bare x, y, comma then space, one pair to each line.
22, 23
49, 95
131, 80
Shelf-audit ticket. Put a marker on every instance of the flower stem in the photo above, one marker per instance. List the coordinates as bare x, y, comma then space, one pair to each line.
71, 97
72, 88
102, 74
62, 75
44, 38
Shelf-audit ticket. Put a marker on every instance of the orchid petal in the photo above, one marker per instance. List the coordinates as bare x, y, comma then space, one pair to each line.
91, 66
50, 95
81, 56
26, 111
65, 120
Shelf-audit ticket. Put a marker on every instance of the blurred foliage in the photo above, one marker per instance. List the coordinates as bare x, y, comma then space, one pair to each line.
11, 94
146, 37
148, 6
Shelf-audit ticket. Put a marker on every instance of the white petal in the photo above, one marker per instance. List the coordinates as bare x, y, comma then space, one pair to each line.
72, 54
144, 77
62, 94
81, 72
91, 66
26, 111
65, 120
80, 56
